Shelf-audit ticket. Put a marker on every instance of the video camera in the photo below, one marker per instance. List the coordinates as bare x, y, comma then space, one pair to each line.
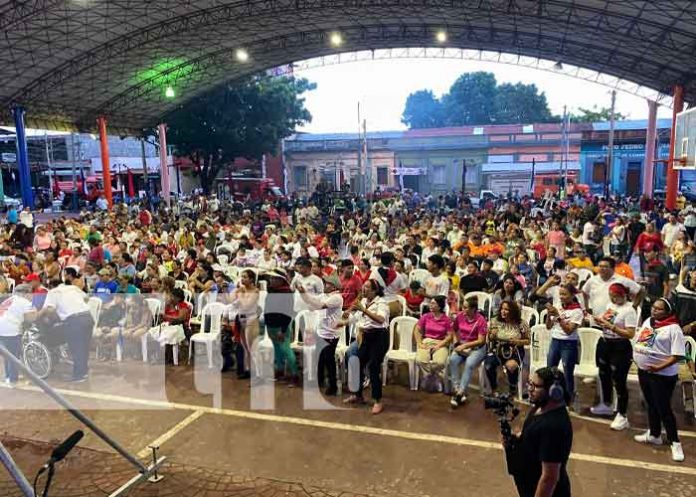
506, 411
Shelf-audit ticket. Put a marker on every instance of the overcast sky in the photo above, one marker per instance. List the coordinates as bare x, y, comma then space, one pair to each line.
382, 86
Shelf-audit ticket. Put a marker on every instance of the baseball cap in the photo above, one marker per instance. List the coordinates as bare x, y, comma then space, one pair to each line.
32, 277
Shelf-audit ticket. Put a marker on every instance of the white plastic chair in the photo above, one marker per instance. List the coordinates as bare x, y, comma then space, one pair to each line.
341, 349
403, 304
530, 316
587, 367
155, 308
305, 323
180, 284
188, 296
209, 335
10, 285
404, 326
541, 341
223, 259
419, 275
542, 316
484, 300
584, 274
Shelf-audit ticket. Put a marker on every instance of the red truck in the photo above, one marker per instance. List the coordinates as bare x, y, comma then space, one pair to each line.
243, 189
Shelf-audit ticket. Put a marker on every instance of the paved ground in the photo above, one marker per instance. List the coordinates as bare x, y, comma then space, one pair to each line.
417, 447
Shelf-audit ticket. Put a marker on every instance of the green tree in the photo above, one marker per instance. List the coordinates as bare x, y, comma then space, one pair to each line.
474, 99
243, 119
595, 115
519, 104
422, 110
471, 100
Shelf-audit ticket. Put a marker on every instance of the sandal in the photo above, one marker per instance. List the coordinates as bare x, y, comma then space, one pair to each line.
377, 408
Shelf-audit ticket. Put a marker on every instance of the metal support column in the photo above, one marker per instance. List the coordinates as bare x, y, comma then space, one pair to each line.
650, 138
23, 158
164, 165
15, 472
673, 174
106, 164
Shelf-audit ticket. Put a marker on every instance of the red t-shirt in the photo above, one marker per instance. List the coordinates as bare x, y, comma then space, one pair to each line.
351, 288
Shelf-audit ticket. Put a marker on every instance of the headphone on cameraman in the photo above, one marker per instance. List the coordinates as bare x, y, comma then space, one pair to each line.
557, 390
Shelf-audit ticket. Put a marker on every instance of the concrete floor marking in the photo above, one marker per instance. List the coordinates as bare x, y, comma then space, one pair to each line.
168, 435
425, 437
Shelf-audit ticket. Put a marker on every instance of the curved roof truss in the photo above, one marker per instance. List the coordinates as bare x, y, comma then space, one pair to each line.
68, 61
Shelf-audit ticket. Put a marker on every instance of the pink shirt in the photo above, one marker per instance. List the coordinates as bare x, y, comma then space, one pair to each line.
468, 330
435, 328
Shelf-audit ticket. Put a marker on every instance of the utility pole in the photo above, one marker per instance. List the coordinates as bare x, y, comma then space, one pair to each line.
610, 152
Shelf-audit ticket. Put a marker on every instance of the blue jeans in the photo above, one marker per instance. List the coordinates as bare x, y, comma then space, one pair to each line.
14, 345
566, 351
471, 362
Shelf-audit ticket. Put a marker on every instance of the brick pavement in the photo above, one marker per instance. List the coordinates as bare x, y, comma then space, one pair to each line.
91, 473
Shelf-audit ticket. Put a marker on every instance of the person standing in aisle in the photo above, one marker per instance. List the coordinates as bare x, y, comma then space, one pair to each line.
327, 308
76, 325
657, 348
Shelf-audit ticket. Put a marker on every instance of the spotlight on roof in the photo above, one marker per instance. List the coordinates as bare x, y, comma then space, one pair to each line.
169, 92
441, 36
242, 55
336, 39
558, 66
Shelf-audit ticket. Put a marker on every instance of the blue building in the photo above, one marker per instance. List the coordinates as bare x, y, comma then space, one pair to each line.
625, 176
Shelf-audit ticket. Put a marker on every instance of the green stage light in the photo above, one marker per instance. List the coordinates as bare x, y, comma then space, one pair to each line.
169, 92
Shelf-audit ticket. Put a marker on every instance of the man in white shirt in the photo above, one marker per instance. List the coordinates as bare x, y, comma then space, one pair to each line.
437, 283
305, 279
76, 324
14, 311
596, 289
326, 309
670, 231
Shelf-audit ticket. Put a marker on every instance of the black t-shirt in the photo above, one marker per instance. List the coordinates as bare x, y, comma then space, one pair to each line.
473, 283
548, 438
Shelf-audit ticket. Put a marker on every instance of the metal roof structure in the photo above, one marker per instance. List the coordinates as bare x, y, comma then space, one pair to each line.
69, 61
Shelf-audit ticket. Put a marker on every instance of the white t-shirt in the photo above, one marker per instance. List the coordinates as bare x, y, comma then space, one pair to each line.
326, 319
12, 312
587, 232
436, 286
555, 294
597, 291
624, 316
653, 346
67, 300
567, 315
395, 288
670, 232
312, 284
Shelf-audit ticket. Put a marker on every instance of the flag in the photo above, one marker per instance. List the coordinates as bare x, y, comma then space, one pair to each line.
531, 184
131, 187
84, 181
401, 176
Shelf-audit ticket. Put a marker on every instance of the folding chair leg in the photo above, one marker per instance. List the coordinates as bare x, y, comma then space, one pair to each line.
143, 346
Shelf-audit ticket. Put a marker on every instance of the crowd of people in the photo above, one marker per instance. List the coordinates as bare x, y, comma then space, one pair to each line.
476, 280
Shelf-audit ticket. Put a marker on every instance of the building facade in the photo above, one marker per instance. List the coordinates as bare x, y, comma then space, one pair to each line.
502, 158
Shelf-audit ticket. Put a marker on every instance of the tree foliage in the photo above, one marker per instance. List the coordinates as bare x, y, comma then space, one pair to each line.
423, 110
595, 115
477, 98
243, 119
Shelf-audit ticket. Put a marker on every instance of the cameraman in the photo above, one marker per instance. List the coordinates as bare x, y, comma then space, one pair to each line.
541, 450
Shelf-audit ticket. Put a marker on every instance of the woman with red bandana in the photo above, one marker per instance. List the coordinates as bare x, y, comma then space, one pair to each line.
614, 353
563, 324
657, 349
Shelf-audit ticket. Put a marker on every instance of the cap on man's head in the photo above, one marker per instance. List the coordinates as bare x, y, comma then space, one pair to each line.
104, 272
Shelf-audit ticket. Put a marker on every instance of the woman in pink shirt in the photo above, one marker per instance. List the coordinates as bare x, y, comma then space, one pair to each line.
42, 240
470, 329
556, 238
433, 335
